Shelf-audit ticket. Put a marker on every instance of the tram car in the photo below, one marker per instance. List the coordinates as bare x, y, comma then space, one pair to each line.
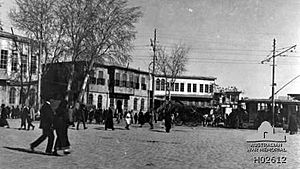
259, 110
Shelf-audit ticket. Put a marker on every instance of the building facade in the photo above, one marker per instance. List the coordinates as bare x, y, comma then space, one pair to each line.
117, 87
190, 90
18, 70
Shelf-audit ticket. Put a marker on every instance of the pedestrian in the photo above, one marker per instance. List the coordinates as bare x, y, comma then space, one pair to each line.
8, 110
168, 121
135, 118
141, 118
127, 119
60, 126
32, 113
27, 116
17, 112
3, 117
109, 124
91, 114
148, 119
23, 115
98, 115
80, 115
71, 115
46, 124
292, 126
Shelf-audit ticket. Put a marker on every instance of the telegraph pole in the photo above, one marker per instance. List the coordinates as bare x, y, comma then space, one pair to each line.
274, 55
153, 44
273, 85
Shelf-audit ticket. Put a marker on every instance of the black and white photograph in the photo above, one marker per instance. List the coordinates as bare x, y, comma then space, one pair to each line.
149, 84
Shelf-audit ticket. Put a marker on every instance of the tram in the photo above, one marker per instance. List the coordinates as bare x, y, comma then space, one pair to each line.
259, 110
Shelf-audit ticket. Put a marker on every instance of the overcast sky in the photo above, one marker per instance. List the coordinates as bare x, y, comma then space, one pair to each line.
228, 39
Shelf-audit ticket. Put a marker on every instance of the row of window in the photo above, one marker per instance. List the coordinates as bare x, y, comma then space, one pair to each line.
13, 95
203, 88
99, 102
91, 100
14, 62
132, 83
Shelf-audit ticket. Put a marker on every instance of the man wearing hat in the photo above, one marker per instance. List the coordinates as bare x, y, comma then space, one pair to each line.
46, 124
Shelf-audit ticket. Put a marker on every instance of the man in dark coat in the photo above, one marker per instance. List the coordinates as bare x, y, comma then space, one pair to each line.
46, 124
28, 118
3, 117
292, 126
109, 119
60, 125
23, 115
80, 115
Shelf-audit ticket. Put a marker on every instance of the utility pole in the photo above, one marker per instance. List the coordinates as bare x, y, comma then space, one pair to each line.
273, 86
274, 55
153, 44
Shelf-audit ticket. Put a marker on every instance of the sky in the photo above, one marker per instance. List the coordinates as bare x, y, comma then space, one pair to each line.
228, 39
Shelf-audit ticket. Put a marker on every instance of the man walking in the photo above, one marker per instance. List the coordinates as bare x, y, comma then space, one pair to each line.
46, 124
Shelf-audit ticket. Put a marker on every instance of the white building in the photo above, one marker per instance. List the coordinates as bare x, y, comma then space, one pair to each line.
18, 67
192, 90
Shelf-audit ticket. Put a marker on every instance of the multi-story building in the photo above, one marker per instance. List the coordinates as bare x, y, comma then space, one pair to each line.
18, 70
191, 90
226, 99
108, 86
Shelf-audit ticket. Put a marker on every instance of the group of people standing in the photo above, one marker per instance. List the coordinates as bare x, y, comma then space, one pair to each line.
51, 121
27, 115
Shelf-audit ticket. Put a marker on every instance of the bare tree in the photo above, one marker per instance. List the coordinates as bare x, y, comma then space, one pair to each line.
77, 22
98, 31
170, 66
38, 20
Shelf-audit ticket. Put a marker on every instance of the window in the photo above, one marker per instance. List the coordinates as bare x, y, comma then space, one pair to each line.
90, 99
168, 86
157, 84
100, 80
99, 104
137, 84
194, 88
211, 89
172, 86
144, 87
124, 80
92, 78
135, 103
131, 81
32, 95
12, 96
24, 63
206, 88
142, 104
126, 104
162, 87
3, 61
117, 79
111, 103
201, 88
14, 62
176, 87
33, 66
182, 87
189, 89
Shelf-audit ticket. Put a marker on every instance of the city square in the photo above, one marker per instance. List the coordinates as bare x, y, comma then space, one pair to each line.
140, 147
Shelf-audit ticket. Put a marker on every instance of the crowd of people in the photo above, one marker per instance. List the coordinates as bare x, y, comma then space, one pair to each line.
55, 122
25, 113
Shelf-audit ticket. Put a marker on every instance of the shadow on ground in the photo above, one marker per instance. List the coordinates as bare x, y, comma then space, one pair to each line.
116, 128
29, 151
